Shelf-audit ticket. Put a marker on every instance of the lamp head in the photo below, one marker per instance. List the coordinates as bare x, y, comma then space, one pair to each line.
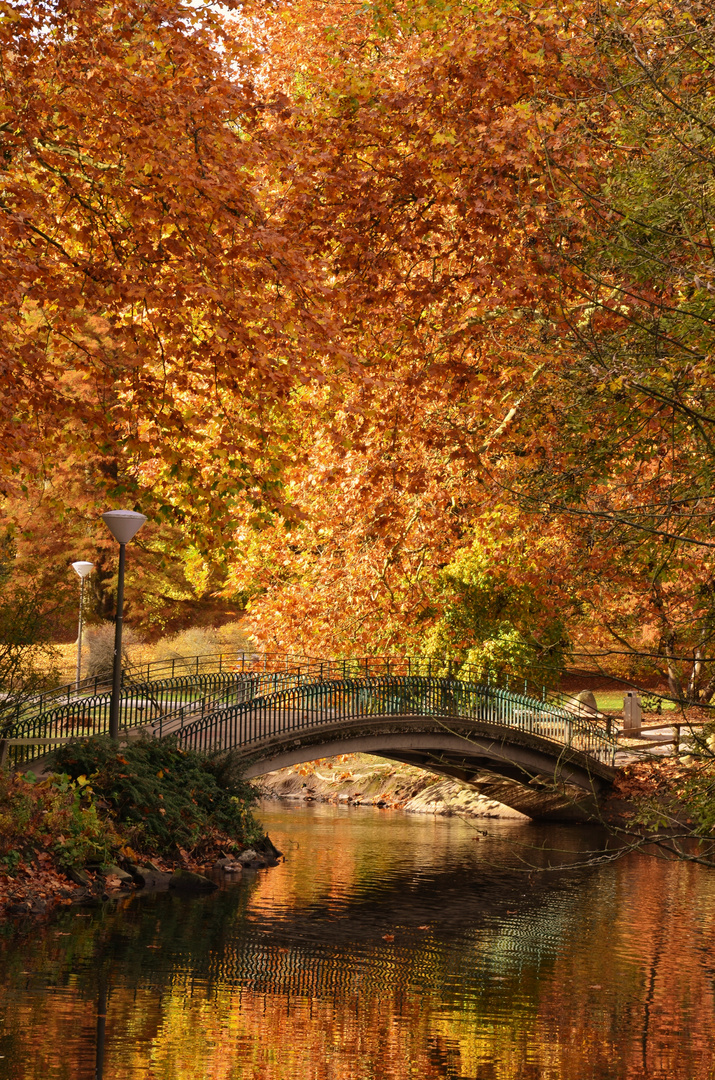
123, 524
83, 568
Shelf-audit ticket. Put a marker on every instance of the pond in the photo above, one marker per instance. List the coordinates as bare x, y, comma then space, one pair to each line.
387, 946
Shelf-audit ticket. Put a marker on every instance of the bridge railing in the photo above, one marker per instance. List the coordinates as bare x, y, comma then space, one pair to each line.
171, 693
311, 705
166, 703
47, 701
173, 689
195, 666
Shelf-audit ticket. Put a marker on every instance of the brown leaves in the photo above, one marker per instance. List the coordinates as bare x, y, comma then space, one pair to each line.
130, 205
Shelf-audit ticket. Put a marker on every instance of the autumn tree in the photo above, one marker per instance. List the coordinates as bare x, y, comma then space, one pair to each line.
155, 317
427, 193
620, 441
226, 266
547, 320
355, 295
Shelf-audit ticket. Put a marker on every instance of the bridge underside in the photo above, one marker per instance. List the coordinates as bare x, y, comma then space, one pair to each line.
525, 772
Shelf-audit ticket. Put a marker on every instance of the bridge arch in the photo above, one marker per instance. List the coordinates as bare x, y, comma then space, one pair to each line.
528, 754
529, 779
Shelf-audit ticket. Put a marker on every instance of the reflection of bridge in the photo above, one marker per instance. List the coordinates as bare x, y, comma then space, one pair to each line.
529, 752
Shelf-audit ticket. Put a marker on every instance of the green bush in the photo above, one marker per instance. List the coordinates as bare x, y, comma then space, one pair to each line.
494, 620
57, 815
166, 798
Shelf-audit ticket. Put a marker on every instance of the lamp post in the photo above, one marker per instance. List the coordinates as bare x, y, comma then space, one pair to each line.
84, 569
123, 525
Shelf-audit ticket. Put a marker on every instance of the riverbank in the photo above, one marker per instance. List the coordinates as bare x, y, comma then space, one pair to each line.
38, 887
114, 819
363, 780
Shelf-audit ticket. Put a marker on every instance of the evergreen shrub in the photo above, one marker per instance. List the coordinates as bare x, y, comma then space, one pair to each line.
166, 798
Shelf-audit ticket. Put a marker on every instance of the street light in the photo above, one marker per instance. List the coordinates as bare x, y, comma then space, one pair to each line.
122, 524
84, 569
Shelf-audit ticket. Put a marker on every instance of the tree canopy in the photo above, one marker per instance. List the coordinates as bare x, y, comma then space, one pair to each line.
395, 317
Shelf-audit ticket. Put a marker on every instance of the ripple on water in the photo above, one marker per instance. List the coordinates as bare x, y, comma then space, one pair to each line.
386, 946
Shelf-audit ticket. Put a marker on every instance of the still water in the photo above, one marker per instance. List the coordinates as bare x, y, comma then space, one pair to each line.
386, 947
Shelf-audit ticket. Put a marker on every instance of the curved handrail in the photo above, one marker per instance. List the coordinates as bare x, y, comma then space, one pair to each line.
310, 705
169, 693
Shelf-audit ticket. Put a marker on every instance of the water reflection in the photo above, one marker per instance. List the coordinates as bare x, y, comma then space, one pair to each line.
386, 947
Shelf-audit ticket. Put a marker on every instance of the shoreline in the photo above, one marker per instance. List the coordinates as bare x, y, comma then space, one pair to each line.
34, 890
38, 892
363, 780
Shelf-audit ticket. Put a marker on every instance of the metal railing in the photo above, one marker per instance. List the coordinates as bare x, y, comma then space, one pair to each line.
165, 704
58, 697
176, 695
311, 704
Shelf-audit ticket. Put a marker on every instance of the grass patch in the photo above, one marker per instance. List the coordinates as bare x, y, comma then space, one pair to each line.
612, 700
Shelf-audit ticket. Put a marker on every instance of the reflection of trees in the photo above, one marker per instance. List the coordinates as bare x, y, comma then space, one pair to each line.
316, 993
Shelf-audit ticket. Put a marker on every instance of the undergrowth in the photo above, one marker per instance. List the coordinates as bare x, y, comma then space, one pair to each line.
103, 803
57, 816
166, 799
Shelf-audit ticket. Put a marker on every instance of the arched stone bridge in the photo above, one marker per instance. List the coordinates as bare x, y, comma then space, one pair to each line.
531, 753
